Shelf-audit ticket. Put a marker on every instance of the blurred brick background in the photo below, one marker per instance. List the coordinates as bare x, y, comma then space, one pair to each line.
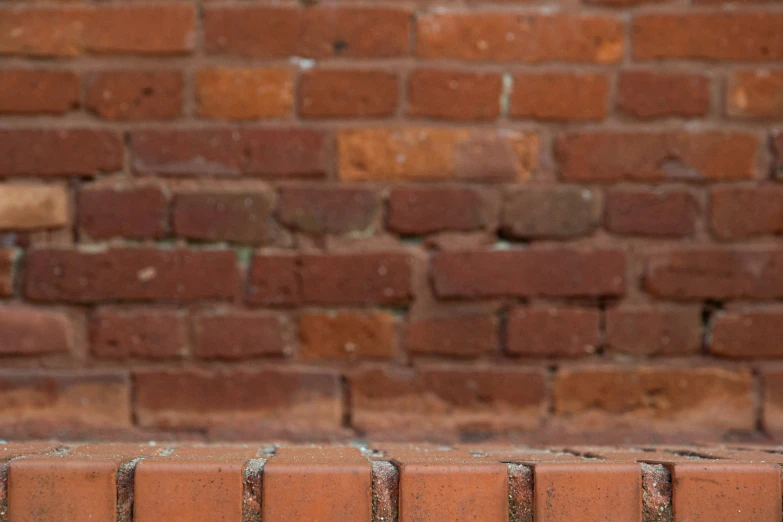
522, 220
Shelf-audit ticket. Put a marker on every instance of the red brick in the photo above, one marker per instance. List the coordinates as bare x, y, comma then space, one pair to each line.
647, 95
135, 95
738, 213
425, 210
711, 273
560, 96
751, 334
241, 216
559, 212
755, 94
236, 93
274, 280
64, 152
748, 36
291, 398
662, 156
522, 272
31, 331
346, 93
273, 32
715, 490
59, 400
553, 331
641, 330
458, 334
31, 206
772, 393
136, 274
603, 491
429, 153
30, 91
658, 213
239, 335
122, 210
7, 262
380, 278
498, 37
143, 333
442, 401
41, 32
776, 143
315, 483
227, 152
327, 210
157, 29
654, 398
454, 95
347, 335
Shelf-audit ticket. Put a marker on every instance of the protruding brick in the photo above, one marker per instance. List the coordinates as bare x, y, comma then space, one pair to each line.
559, 212
560, 96
31, 91
458, 334
135, 95
454, 95
242, 216
738, 213
640, 330
345, 93
6, 272
274, 280
751, 334
137, 274
647, 95
327, 210
235, 93
138, 211
347, 335
669, 213
29, 207
498, 37
436, 154
425, 210
31, 331
143, 333
240, 335
553, 331
663, 156
522, 272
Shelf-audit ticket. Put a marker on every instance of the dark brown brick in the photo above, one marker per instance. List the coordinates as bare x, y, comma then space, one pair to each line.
122, 210
457, 334
328, 210
228, 334
669, 213
241, 216
454, 95
135, 95
345, 93
738, 213
647, 94
559, 212
660, 330
274, 279
747, 334
31, 91
144, 333
30, 331
553, 331
425, 210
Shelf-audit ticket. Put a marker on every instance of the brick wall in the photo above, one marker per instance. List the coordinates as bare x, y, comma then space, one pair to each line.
443, 220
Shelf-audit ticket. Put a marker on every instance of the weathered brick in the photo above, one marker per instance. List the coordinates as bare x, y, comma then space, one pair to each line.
327, 210
545, 272
32, 331
735, 35
122, 210
646, 213
143, 333
559, 96
157, 29
64, 152
270, 32
30, 91
236, 93
29, 207
7, 257
642, 330
135, 95
231, 334
663, 156
227, 152
747, 334
738, 213
445, 400
457, 334
242, 216
454, 95
755, 94
436, 154
273, 279
347, 335
712, 273
135, 274
346, 93
498, 37
425, 210
294, 398
647, 94
558, 212
553, 331
654, 398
